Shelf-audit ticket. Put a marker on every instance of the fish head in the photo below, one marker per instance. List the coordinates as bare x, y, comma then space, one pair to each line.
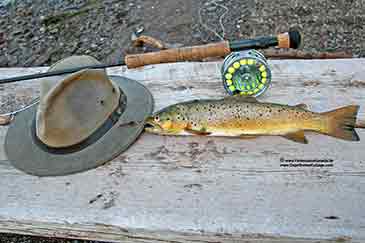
162, 122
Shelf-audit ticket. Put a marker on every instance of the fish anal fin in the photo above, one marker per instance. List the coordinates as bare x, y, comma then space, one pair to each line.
302, 106
298, 137
201, 132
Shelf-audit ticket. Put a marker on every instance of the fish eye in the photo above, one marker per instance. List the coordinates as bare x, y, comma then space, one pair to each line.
157, 118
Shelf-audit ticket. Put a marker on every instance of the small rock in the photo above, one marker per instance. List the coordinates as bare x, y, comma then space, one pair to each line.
3, 61
121, 14
28, 35
211, 8
139, 29
94, 46
16, 32
41, 59
13, 51
2, 38
53, 31
12, 61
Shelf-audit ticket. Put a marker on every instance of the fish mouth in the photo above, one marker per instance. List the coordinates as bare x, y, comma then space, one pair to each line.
150, 126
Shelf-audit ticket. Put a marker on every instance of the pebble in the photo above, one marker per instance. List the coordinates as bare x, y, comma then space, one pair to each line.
53, 31
2, 38
211, 8
139, 29
93, 46
106, 26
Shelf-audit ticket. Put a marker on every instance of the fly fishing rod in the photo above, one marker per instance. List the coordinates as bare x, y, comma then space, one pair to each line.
289, 39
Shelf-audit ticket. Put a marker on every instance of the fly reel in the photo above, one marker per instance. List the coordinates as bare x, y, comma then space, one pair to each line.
246, 73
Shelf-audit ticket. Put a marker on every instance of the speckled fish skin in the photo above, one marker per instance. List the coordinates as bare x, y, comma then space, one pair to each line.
245, 117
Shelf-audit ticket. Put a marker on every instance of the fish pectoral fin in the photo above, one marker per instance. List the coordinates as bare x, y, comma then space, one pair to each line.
298, 137
245, 136
301, 105
201, 132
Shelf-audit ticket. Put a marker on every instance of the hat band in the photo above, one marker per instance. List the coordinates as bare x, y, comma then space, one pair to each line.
95, 136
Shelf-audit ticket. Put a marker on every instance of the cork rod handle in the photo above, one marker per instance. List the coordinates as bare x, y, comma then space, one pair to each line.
193, 53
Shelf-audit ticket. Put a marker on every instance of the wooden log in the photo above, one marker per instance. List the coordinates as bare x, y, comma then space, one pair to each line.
184, 189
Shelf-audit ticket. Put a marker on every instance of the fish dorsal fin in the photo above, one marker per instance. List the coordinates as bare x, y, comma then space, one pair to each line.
301, 105
244, 98
297, 137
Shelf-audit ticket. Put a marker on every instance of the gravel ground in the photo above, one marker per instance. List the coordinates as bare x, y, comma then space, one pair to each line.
40, 32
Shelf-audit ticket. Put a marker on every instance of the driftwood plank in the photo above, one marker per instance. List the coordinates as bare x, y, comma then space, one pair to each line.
181, 189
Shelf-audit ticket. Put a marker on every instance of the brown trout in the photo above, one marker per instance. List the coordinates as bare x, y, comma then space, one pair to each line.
246, 117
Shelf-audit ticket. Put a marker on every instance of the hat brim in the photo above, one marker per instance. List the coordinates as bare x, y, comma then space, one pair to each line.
26, 155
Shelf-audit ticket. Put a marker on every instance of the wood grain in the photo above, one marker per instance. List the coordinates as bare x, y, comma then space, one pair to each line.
184, 189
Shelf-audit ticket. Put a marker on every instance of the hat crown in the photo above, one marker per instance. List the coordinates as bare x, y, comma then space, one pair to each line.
73, 107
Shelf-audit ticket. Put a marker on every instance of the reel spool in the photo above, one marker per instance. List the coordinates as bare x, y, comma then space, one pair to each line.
246, 73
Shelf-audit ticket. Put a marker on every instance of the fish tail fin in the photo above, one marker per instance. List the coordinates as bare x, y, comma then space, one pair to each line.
341, 123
